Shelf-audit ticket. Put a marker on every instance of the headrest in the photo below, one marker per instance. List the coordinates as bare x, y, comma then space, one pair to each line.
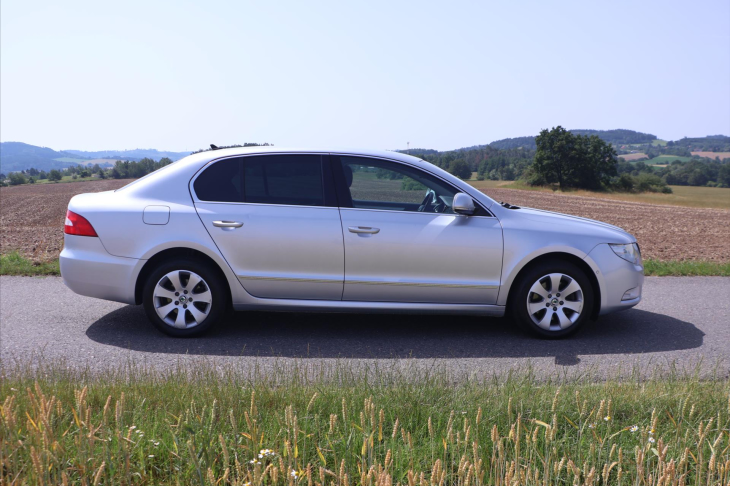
348, 174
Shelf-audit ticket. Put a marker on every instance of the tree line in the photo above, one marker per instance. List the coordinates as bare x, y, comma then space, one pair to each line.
122, 169
569, 159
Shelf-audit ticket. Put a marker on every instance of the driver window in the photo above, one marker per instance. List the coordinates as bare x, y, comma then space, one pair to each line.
378, 184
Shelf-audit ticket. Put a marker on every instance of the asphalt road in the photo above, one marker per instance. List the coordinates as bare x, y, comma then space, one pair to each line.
683, 322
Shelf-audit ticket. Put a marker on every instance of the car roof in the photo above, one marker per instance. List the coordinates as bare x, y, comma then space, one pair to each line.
269, 149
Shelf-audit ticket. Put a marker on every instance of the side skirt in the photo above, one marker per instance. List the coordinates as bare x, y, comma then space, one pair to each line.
290, 305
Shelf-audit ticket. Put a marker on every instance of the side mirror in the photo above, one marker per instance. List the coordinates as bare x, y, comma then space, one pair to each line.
463, 204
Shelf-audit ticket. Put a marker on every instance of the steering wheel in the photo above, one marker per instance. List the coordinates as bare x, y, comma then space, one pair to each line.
427, 201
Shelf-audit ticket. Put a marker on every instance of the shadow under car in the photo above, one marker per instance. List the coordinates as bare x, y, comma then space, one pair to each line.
379, 336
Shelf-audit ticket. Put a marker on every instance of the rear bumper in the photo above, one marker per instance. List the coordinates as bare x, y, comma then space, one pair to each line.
616, 276
88, 269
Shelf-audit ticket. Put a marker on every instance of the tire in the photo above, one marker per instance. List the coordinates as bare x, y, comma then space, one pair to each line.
191, 279
567, 313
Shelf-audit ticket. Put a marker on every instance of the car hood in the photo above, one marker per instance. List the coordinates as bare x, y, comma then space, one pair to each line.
575, 224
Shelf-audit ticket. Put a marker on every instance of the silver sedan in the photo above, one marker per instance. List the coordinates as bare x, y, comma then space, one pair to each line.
342, 231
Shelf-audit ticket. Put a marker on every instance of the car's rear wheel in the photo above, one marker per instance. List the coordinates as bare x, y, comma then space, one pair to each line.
184, 298
553, 299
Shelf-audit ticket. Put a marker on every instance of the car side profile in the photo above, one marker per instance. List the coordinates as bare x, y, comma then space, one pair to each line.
264, 228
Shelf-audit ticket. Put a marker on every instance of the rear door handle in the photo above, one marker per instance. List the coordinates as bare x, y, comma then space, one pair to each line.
227, 224
364, 229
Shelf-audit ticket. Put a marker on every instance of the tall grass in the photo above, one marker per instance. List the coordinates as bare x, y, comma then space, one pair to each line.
285, 426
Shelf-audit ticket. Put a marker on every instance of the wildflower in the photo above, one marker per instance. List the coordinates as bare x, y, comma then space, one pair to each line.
651, 440
651, 431
294, 474
607, 418
634, 428
254, 462
263, 453
151, 456
591, 426
133, 427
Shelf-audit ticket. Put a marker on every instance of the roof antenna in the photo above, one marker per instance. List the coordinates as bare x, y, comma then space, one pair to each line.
213, 147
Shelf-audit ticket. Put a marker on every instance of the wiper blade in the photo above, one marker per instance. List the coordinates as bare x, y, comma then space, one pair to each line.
508, 205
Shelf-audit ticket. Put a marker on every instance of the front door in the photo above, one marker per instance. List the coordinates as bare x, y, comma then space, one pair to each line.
274, 219
403, 243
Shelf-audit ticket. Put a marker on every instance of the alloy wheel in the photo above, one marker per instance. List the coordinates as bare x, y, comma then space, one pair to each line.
555, 301
182, 299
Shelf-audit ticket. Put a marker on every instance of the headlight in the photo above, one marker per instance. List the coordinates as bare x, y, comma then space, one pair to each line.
629, 252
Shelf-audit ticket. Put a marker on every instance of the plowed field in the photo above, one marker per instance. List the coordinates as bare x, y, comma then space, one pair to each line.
31, 220
32, 216
663, 232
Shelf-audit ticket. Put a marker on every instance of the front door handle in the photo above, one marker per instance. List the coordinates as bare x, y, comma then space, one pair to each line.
364, 229
227, 224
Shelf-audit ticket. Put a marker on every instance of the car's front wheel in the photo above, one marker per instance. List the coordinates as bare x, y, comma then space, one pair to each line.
184, 298
553, 299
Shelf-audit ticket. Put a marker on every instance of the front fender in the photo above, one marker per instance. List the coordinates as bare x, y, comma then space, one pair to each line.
514, 261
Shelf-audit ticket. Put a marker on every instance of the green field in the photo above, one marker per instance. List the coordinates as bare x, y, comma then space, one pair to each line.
658, 142
68, 178
71, 160
666, 159
297, 423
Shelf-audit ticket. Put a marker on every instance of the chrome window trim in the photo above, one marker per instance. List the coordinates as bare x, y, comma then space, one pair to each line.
195, 198
415, 212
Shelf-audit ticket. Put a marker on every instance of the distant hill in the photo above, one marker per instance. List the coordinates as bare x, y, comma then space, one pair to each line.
136, 154
618, 137
615, 137
517, 142
418, 151
711, 143
17, 156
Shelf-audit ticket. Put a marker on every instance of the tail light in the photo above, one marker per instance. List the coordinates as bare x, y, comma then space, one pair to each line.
78, 225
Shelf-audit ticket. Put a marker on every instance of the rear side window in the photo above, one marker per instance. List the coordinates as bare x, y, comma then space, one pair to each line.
271, 179
221, 182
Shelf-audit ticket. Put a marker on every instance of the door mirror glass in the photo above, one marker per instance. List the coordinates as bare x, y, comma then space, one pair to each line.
463, 204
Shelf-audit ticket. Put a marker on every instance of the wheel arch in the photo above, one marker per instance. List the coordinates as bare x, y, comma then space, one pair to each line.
568, 257
177, 252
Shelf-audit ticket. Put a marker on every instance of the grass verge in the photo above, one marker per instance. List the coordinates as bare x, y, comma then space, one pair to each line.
15, 264
208, 425
686, 269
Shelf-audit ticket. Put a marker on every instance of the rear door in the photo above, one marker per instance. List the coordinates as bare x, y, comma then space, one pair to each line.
275, 220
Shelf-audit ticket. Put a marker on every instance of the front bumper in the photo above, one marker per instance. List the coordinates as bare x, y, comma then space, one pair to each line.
616, 276
88, 269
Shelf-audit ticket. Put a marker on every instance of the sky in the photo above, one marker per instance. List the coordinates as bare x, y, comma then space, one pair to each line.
180, 75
